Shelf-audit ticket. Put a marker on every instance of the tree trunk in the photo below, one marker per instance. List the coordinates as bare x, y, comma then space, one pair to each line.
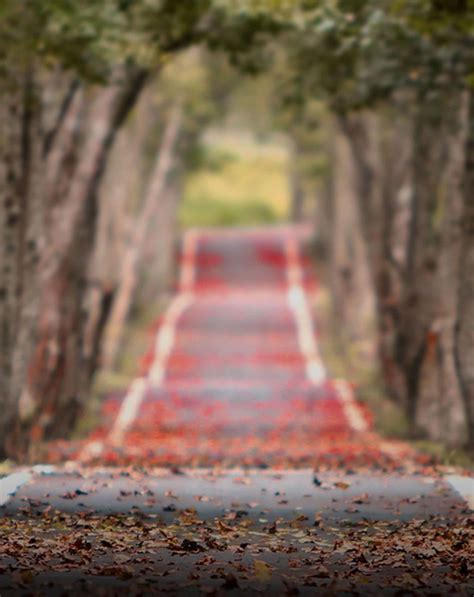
296, 185
351, 282
22, 218
394, 148
50, 377
425, 339
464, 339
119, 196
129, 278
160, 250
411, 250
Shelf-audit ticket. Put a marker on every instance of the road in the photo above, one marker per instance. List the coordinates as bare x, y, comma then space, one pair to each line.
234, 462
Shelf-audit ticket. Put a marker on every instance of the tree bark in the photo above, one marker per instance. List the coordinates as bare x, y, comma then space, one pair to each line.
49, 377
425, 340
411, 250
464, 338
22, 217
296, 186
160, 251
351, 281
129, 275
119, 195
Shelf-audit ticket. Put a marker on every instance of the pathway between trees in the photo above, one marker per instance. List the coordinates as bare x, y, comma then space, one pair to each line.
239, 464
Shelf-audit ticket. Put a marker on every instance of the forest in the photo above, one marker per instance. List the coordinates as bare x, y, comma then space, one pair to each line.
104, 107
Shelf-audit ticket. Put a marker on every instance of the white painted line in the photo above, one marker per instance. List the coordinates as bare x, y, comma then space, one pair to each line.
165, 338
297, 300
396, 449
315, 369
351, 408
163, 346
464, 486
91, 450
10, 484
128, 410
164, 342
44, 469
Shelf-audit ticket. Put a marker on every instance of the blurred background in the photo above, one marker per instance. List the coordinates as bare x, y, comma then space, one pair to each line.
126, 122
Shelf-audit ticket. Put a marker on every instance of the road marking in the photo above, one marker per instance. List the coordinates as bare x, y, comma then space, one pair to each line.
10, 484
166, 337
128, 410
464, 486
351, 408
164, 343
315, 369
297, 300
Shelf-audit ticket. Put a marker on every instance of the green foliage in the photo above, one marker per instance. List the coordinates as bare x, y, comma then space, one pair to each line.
91, 37
226, 189
244, 37
172, 25
354, 54
435, 17
202, 158
84, 37
207, 211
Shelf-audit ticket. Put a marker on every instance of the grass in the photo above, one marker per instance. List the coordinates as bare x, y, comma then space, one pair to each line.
6, 467
236, 184
204, 211
444, 454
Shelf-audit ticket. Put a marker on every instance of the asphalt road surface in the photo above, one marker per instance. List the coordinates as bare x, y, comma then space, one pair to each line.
234, 462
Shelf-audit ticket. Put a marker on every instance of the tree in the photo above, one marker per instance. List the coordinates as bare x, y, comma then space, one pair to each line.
71, 76
411, 61
397, 78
